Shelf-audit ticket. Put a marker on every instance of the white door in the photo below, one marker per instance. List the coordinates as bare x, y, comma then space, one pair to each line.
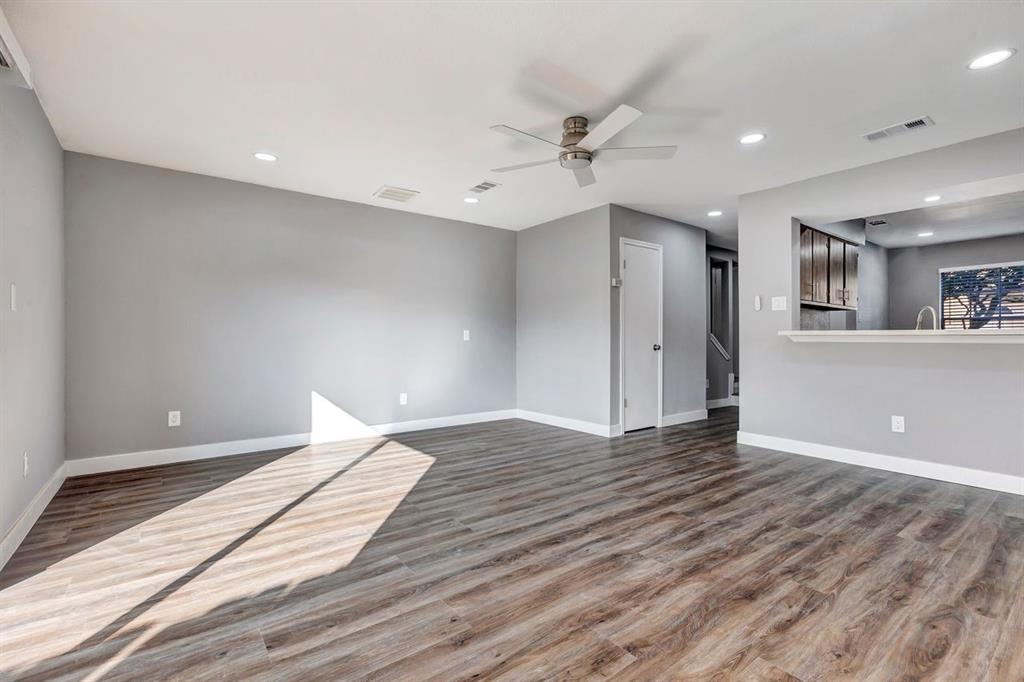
640, 324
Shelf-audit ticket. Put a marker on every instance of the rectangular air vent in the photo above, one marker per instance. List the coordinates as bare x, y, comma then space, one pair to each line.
483, 187
877, 221
899, 128
395, 193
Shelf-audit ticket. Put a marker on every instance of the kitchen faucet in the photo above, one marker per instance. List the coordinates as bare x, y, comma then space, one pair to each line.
935, 317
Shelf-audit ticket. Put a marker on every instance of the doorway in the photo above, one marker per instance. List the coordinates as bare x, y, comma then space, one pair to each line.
640, 335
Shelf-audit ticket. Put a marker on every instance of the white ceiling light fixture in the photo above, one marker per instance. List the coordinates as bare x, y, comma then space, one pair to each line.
471, 200
991, 59
714, 214
931, 198
752, 138
265, 156
925, 234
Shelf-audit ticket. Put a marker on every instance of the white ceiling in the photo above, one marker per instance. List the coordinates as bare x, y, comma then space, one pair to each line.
353, 96
996, 216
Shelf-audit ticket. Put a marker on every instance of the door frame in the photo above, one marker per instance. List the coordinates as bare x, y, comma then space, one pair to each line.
624, 241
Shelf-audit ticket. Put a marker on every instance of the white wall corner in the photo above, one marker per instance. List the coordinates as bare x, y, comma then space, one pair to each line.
977, 478
593, 428
14, 537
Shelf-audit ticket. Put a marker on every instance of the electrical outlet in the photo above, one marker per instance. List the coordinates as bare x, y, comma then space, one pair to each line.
174, 418
24, 465
898, 425
707, 383
465, 335
403, 398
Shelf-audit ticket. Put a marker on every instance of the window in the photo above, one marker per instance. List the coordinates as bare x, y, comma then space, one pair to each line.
983, 296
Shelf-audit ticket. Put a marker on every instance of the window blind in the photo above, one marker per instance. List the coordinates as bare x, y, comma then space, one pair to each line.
983, 296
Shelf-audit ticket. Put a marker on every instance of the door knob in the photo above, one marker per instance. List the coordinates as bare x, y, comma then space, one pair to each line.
657, 346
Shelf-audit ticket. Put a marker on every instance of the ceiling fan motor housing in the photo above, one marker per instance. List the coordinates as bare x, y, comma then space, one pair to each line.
574, 129
575, 157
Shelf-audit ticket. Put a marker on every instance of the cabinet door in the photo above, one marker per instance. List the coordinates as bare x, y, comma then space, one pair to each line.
806, 267
851, 275
819, 267
836, 262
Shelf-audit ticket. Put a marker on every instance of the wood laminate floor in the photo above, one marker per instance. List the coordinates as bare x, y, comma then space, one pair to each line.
512, 550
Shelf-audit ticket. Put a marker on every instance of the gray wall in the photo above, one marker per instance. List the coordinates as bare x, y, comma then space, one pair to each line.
914, 272
563, 316
684, 305
234, 302
31, 339
872, 287
844, 394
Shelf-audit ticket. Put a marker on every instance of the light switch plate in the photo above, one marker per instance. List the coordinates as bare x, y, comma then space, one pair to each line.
757, 303
14, 297
778, 302
898, 425
465, 335
174, 418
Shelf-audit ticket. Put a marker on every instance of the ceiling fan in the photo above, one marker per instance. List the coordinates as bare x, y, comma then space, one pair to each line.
579, 147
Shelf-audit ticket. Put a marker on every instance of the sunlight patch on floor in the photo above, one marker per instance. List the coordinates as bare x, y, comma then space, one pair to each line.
322, 503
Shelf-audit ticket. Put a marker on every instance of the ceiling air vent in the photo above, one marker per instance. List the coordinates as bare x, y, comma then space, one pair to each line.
483, 187
877, 221
395, 193
899, 128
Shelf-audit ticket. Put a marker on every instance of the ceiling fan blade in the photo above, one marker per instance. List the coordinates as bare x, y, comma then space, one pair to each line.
513, 132
520, 166
635, 153
610, 127
584, 176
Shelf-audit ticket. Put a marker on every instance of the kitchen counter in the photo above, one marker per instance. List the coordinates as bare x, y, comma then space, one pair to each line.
1002, 336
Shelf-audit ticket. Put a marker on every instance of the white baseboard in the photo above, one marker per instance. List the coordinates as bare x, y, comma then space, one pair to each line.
441, 422
28, 518
731, 401
684, 417
941, 472
190, 453
566, 423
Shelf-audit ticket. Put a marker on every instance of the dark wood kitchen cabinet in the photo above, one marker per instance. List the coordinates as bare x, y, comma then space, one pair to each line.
828, 270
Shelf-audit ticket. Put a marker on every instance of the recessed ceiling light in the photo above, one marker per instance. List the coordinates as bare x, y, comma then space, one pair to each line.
752, 138
265, 156
925, 234
932, 197
714, 214
471, 200
991, 59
